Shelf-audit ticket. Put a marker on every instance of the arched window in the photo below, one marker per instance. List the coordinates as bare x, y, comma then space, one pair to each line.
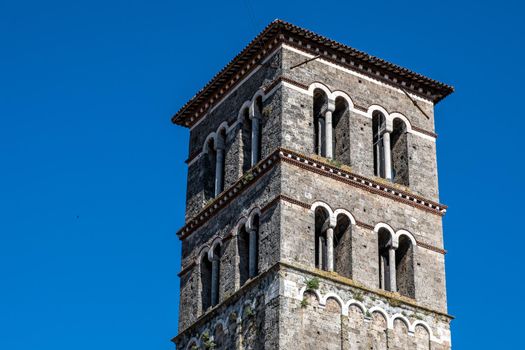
399, 151
322, 222
343, 246
341, 124
405, 267
378, 130
320, 107
246, 140
248, 249
205, 267
243, 249
209, 170
385, 251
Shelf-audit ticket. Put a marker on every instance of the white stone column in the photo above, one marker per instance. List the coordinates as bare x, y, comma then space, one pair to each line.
320, 251
329, 144
392, 266
219, 167
388, 157
252, 255
256, 123
330, 249
214, 281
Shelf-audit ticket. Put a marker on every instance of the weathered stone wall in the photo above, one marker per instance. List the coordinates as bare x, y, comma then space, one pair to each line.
228, 111
363, 92
341, 316
298, 120
249, 320
371, 209
278, 315
224, 227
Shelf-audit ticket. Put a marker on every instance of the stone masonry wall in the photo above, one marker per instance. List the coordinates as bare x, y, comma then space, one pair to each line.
249, 320
274, 310
224, 225
335, 316
228, 112
298, 230
298, 120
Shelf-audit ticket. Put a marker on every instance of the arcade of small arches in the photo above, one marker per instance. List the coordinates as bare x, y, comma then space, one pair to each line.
246, 234
220, 327
333, 253
333, 249
345, 308
332, 133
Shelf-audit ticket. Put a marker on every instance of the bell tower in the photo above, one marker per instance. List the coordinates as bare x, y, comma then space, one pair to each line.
313, 218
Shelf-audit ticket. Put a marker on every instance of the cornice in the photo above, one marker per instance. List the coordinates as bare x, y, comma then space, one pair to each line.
279, 32
280, 266
317, 166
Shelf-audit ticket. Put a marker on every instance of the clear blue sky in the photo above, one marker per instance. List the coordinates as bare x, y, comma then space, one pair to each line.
92, 178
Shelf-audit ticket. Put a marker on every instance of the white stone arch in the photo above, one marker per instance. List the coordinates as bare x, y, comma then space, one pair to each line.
239, 225
383, 111
345, 212
373, 108
344, 95
303, 290
397, 115
400, 317
320, 86
211, 136
223, 126
245, 105
381, 225
324, 205
193, 341
258, 94
253, 212
381, 311
223, 324
424, 325
332, 295
217, 241
204, 251
406, 233
357, 303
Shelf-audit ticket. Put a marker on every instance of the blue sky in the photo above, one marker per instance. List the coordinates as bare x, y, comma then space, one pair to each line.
92, 178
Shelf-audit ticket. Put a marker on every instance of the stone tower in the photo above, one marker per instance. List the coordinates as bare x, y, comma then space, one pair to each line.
312, 212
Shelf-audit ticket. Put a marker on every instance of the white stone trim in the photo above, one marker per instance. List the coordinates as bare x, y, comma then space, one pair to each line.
253, 212
193, 341
237, 85
345, 307
223, 324
331, 216
381, 225
406, 233
368, 114
346, 213
352, 72
400, 317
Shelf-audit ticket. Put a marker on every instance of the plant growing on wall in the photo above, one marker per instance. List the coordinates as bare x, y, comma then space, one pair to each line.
304, 303
312, 284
